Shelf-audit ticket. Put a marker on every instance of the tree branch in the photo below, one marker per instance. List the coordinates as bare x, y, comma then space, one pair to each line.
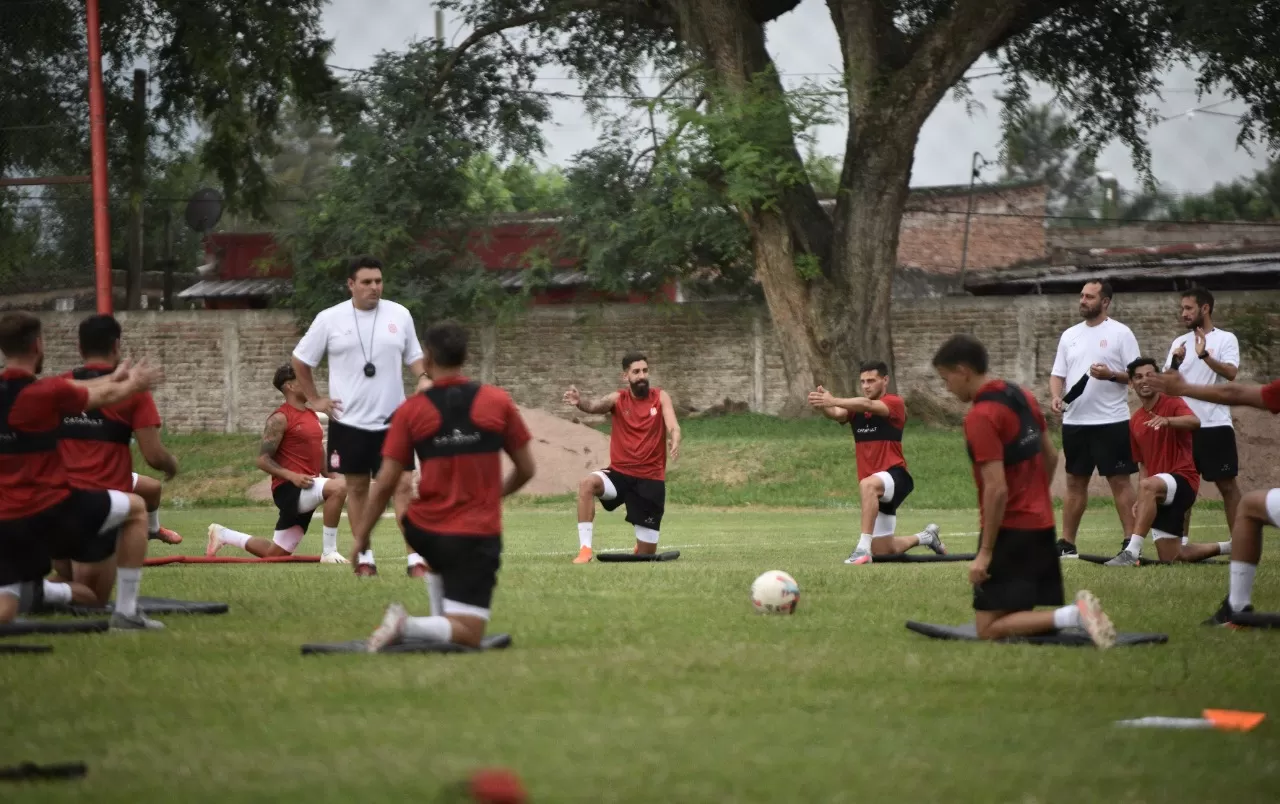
869, 42
671, 138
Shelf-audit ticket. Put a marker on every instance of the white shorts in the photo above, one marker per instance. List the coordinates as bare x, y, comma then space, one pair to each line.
1273, 507
135, 481
119, 511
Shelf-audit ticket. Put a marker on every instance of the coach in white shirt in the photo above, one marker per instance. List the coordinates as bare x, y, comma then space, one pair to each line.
1206, 355
1092, 362
368, 339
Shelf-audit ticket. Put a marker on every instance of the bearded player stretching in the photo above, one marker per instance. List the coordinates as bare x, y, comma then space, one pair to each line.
877, 419
642, 418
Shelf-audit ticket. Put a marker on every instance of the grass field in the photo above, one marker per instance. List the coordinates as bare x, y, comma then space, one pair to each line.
651, 683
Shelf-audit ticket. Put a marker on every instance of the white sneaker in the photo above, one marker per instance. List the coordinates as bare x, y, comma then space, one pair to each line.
333, 558
1094, 620
390, 631
215, 542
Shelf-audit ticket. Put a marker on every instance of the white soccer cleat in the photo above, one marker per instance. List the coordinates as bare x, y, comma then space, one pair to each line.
1094, 620
390, 631
333, 558
215, 542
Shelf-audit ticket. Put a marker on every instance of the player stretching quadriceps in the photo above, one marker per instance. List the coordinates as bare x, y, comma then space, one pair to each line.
877, 418
642, 419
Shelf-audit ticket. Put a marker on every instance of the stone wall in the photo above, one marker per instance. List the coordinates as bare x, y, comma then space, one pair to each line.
218, 365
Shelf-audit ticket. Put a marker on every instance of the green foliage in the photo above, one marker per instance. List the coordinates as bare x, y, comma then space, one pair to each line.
1253, 199
1040, 144
518, 187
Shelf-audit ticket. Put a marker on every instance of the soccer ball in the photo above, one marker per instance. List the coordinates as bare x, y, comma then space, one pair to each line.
775, 592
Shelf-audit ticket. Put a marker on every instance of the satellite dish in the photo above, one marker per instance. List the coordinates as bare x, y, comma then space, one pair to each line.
204, 209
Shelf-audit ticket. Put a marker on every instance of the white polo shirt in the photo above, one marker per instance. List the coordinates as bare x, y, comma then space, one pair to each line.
1221, 346
389, 341
1110, 343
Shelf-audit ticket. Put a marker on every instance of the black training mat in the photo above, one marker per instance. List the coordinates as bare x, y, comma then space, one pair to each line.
30, 771
1071, 637
1093, 558
922, 558
670, 555
491, 642
1257, 619
25, 648
146, 605
24, 627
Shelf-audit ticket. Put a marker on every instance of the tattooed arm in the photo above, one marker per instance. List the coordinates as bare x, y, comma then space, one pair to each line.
271, 436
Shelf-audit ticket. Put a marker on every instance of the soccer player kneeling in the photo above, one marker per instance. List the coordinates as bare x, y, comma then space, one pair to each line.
458, 430
1017, 567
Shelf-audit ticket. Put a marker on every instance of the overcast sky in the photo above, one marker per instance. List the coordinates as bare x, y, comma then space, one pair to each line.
1189, 152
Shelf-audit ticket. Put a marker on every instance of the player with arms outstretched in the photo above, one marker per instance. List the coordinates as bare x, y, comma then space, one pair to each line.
292, 453
643, 419
877, 419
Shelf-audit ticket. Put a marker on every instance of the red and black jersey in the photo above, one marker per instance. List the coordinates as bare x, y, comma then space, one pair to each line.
878, 439
32, 477
95, 444
458, 430
1005, 424
1271, 396
301, 448
1165, 450
638, 436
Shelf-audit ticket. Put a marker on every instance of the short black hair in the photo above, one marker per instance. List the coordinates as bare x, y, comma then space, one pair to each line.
362, 261
99, 334
632, 357
447, 344
283, 375
1104, 288
961, 350
878, 366
19, 332
1201, 295
1140, 362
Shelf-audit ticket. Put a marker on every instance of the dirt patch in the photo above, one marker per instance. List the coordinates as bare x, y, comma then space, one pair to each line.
563, 451
1258, 442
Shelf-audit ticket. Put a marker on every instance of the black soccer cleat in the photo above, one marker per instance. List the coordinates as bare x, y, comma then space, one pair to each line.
1066, 549
1224, 616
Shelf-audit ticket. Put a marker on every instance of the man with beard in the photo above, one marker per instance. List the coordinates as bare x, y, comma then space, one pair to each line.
643, 419
1206, 355
1092, 361
1161, 431
877, 419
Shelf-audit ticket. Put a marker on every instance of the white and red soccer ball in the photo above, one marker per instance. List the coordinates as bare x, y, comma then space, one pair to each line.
775, 592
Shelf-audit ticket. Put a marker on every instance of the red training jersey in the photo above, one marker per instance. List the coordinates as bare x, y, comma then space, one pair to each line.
638, 437
1165, 450
32, 476
878, 439
301, 449
1271, 396
95, 446
990, 426
458, 429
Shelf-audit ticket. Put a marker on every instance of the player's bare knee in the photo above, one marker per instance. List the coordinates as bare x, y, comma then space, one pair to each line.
871, 486
467, 631
591, 485
1077, 484
9, 598
1152, 487
1254, 505
335, 488
137, 507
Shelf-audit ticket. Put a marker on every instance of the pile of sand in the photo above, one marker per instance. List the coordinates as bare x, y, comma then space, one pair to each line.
563, 451
1257, 439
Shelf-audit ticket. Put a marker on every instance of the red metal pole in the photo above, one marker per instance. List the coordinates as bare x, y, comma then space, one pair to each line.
98, 146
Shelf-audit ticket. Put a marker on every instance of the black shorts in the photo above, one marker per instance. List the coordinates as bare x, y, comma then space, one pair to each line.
1214, 449
352, 451
468, 565
1025, 572
903, 485
286, 497
1171, 516
68, 530
1104, 447
646, 500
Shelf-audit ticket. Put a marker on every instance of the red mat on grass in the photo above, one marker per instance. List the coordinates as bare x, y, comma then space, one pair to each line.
159, 561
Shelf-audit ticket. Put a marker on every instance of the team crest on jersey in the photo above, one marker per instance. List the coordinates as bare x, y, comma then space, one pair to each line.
1103, 343
392, 329
653, 411
334, 461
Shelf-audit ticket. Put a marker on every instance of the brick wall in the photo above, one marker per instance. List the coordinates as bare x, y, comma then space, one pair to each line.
218, 365
1006, 228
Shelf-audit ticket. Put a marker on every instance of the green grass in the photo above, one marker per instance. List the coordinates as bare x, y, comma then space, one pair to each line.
651, 683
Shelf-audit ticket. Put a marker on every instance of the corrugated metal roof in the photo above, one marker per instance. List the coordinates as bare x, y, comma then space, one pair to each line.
1260, 264
230, 288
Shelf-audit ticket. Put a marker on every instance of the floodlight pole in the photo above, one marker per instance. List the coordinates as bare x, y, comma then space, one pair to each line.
98, 149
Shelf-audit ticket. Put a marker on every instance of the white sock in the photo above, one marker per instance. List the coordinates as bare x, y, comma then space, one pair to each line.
584, 533
235, 538
153, 521
1224, 548
431, 629
365, 558
1135, 546
1241, 594
1186, 540
1066, 617
128, 579
57, 592
415, 559
435, 592
330, 540
925, 537
864, 542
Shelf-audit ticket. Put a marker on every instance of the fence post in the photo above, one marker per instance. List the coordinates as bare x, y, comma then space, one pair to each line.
137, 187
